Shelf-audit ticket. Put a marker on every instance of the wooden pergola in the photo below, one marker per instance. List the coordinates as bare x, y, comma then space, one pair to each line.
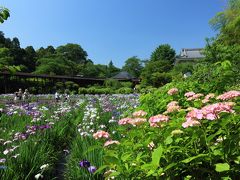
11, 82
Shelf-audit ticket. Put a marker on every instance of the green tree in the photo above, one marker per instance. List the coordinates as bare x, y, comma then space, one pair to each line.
89, 70
73, 52
153, 73
5, 57
160, 63
46, 52
56, 66
163, 52
102, 70
133, 66
112, 70
30, 58
227, 23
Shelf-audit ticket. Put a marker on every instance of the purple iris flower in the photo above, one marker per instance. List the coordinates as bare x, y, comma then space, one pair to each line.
92, 169
42, 127
84, 163
47, 126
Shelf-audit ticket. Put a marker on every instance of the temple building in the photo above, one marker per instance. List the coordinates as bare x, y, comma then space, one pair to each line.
189, 55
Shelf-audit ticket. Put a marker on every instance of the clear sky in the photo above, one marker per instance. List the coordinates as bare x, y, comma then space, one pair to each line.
111, 29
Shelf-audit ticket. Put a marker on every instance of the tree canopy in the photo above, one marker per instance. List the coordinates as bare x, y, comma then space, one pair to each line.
155, 71
133, 65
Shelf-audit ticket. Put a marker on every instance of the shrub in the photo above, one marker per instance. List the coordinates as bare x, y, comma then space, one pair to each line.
124, 90
112, 83
126, 84
184, 142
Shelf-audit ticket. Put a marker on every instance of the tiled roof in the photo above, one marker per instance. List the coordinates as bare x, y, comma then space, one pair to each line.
191, 53
123, 75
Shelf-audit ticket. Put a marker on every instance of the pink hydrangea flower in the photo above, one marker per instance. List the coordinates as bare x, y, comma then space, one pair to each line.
172, 91
137, 121
109, 142
189, 94
173, 106
190, 123
195, 97
208, 97
155, 121
229, 95
139, 113
101, 134
124, 121
209, 112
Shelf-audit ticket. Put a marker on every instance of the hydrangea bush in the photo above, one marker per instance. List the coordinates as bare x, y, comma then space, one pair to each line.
177, 132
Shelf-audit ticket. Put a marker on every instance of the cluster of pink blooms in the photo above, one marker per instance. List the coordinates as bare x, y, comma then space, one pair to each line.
192, 96
124, 121
137, 120
173, 91
101, 134
172, 107
109, 142
139, 113
156, 121
209, 112
189, 94
229, 95
208, 97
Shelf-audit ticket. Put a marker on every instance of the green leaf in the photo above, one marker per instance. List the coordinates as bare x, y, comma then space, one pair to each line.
5, 14
168, 140
237, 161
170, 166
101, 168
150, 172
194, 157
220, 167
115, 174
217, 152
146, 166
92, 148
111, 159
156, 156
125, 156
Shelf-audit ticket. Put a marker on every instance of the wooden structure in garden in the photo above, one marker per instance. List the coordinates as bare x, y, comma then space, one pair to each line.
11, 82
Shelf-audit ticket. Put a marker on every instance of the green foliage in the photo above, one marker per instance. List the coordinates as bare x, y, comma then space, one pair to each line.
163, 53
112, 83
112, 70
124, 90
5, 57
155, 71
71, 86
73, 52
126, 84
42, 147
55, 66
171, 151
95, 90
217, 80
4, 14
228, 23
133, 66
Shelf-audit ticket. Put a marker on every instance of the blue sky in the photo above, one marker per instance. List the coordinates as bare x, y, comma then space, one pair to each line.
111, 29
